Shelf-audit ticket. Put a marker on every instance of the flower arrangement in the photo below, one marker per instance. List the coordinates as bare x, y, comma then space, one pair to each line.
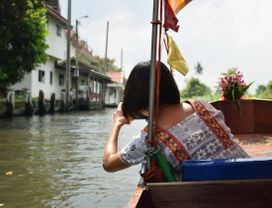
233, 86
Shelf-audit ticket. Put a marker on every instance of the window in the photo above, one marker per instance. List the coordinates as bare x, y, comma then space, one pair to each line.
51, 77
41, 75
94, 86
58, 30
61, 79
114, 94
99, 88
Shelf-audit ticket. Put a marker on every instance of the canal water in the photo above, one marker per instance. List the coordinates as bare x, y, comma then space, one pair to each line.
55, 161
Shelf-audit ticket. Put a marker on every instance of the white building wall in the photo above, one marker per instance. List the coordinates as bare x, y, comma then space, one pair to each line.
56, 51
57, 87
57, 44
45, 86
113, 94
24, 84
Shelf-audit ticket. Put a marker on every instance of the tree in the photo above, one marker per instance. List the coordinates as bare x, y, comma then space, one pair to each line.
108, 65
195, 88
22, 47
263, 91
217, 93
260, 90
199, 69
269, 86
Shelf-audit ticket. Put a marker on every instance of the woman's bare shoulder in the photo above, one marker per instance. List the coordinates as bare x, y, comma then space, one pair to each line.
187, 108
175, 114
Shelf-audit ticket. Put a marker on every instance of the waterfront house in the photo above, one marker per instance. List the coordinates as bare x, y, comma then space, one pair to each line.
50, 77
90, 82
47, 77
114, 91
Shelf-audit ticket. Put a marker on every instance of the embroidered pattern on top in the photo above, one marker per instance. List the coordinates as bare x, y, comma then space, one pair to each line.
212, 123
172, 143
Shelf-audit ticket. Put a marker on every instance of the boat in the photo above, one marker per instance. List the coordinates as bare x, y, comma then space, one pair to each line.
233, 183
233, 187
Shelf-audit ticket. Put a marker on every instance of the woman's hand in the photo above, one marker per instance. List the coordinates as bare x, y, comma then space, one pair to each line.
118, 117
112, 160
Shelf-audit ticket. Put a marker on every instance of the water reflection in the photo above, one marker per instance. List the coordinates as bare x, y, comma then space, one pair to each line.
56, 162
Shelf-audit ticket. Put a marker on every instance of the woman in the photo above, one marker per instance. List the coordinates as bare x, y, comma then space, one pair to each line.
187, 130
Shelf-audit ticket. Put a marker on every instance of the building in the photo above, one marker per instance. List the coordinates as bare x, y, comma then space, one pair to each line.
50, 77
47, 77
115, 90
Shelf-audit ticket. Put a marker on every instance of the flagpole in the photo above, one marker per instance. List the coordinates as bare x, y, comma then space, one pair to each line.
153, 60
152, 77
160, 158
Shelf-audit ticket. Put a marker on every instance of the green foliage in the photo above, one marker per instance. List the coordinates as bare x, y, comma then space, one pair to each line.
107, 65
22, 46
260, 90
264, 92
194, 88
217, 94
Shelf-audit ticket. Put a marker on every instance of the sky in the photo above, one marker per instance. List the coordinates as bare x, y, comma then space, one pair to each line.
219, 34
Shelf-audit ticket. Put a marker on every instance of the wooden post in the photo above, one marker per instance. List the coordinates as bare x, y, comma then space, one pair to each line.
52, 103
41, 104
62, 102
29, 105
10, 104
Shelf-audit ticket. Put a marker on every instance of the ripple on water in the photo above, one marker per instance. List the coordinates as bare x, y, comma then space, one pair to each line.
56, 161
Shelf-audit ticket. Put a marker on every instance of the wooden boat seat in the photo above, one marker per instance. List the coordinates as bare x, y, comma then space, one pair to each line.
226, 169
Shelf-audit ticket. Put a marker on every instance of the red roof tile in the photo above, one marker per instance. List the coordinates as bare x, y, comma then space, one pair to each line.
115, 76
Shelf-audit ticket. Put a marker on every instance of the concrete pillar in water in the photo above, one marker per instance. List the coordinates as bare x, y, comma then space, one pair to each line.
10, 103
62, 101
41, 104
29, 105
52, 103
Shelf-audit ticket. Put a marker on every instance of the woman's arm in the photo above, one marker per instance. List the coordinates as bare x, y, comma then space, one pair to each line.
111, 159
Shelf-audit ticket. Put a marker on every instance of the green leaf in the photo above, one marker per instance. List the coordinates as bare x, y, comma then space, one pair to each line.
237, 101
248, 86
233, 93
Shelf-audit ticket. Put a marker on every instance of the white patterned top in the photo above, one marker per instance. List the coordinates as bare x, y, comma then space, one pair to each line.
195, 135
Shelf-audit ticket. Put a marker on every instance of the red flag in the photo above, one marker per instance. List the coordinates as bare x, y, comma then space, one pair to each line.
170, 19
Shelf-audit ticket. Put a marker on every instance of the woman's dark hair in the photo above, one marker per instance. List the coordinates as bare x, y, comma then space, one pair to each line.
136, 93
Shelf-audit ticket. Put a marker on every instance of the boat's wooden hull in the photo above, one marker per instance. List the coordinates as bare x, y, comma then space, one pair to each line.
231, 194
254, 115
253, 131
228, 194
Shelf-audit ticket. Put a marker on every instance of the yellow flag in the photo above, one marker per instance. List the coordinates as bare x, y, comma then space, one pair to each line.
175, 59
177, 5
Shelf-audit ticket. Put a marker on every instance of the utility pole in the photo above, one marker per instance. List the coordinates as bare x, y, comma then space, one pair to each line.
106, 49
68, 59
121, 65
76, 73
